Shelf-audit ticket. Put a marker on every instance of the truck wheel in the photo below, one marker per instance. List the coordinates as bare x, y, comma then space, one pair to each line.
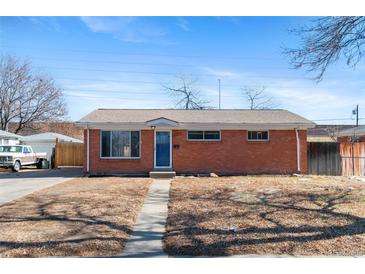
40, 164
17, 166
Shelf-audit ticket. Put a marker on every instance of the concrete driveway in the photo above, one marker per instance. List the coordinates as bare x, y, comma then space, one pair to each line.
15, 185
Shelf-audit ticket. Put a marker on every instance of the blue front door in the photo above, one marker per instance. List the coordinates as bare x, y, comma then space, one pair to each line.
163, 147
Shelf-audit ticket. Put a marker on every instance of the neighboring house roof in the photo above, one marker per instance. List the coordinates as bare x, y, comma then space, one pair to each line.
189, 117
321, 133
49, 137
6, 134
67, 128
353, 131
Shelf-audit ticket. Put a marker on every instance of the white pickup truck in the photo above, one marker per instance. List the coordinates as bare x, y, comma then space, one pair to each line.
16, 156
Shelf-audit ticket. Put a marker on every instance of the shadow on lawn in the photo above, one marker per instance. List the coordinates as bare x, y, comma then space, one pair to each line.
71, 231
254, 237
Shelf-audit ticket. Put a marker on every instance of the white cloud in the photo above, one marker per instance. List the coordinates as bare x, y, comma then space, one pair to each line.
106, 24
221, 72
183, 23
128, 29
315, 102
43, 23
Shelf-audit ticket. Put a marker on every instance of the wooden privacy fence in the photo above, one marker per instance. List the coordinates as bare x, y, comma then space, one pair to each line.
353, 159
324, 158
68, 154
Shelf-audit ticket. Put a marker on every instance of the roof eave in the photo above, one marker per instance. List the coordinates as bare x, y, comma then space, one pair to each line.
142, 125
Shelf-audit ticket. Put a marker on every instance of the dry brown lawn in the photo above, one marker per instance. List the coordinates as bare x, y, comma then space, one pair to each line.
266, 215
81, 217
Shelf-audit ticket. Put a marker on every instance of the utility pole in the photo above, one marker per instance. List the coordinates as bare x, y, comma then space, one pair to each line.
356, 112
219, 90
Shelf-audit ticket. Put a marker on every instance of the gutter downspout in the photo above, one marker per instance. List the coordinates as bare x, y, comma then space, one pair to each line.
87, 149
298, 149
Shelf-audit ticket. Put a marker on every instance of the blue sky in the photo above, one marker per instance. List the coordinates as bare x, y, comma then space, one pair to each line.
122, 62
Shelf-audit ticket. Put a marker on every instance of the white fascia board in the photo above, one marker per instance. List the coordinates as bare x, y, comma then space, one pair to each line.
38, 141
202, 126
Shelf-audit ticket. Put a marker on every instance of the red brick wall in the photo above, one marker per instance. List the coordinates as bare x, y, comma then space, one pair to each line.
137, 166
233, 154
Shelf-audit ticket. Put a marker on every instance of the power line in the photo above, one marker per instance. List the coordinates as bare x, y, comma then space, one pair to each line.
124, 92
114, 62
142, 54
110, 80
108, 98
161, 73
336, 119
142, 63
133, 63
120, 71
115, 91
98, 96
159, 83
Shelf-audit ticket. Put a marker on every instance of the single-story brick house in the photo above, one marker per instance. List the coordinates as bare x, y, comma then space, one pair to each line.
137, 141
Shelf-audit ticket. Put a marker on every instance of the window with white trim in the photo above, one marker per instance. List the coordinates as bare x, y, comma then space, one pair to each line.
204, 135
258, 135
120, 144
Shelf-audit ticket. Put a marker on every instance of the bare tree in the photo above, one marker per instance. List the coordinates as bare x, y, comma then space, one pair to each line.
257, 99
326, 40
185, 94
333, 132
27, 97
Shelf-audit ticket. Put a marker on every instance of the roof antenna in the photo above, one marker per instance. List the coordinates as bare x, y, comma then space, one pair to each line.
219, 90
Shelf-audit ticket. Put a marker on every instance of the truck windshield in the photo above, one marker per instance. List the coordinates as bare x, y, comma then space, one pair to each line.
10, 149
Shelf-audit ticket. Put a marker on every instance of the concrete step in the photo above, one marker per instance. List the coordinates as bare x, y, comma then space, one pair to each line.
157, 174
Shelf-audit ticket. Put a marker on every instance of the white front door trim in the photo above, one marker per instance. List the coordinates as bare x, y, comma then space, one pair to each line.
154, 148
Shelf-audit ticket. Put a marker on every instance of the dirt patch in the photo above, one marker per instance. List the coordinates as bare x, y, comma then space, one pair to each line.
266, 215
81, 217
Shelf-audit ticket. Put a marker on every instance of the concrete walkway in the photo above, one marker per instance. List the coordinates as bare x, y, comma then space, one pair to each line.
146, 238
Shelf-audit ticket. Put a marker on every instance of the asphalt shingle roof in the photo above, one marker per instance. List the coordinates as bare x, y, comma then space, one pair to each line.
229, 116
354, 131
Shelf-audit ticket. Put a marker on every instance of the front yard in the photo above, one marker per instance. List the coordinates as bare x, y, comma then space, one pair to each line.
81, 217
264, 215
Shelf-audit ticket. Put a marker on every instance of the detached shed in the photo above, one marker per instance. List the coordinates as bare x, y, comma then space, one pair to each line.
46, 142
8, 138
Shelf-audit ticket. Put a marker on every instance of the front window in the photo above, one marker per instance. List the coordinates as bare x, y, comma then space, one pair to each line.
258, 135
120, 144
200, 135
10, 149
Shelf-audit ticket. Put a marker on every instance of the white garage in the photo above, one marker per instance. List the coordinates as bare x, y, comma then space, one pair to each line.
8, 138
45, 142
